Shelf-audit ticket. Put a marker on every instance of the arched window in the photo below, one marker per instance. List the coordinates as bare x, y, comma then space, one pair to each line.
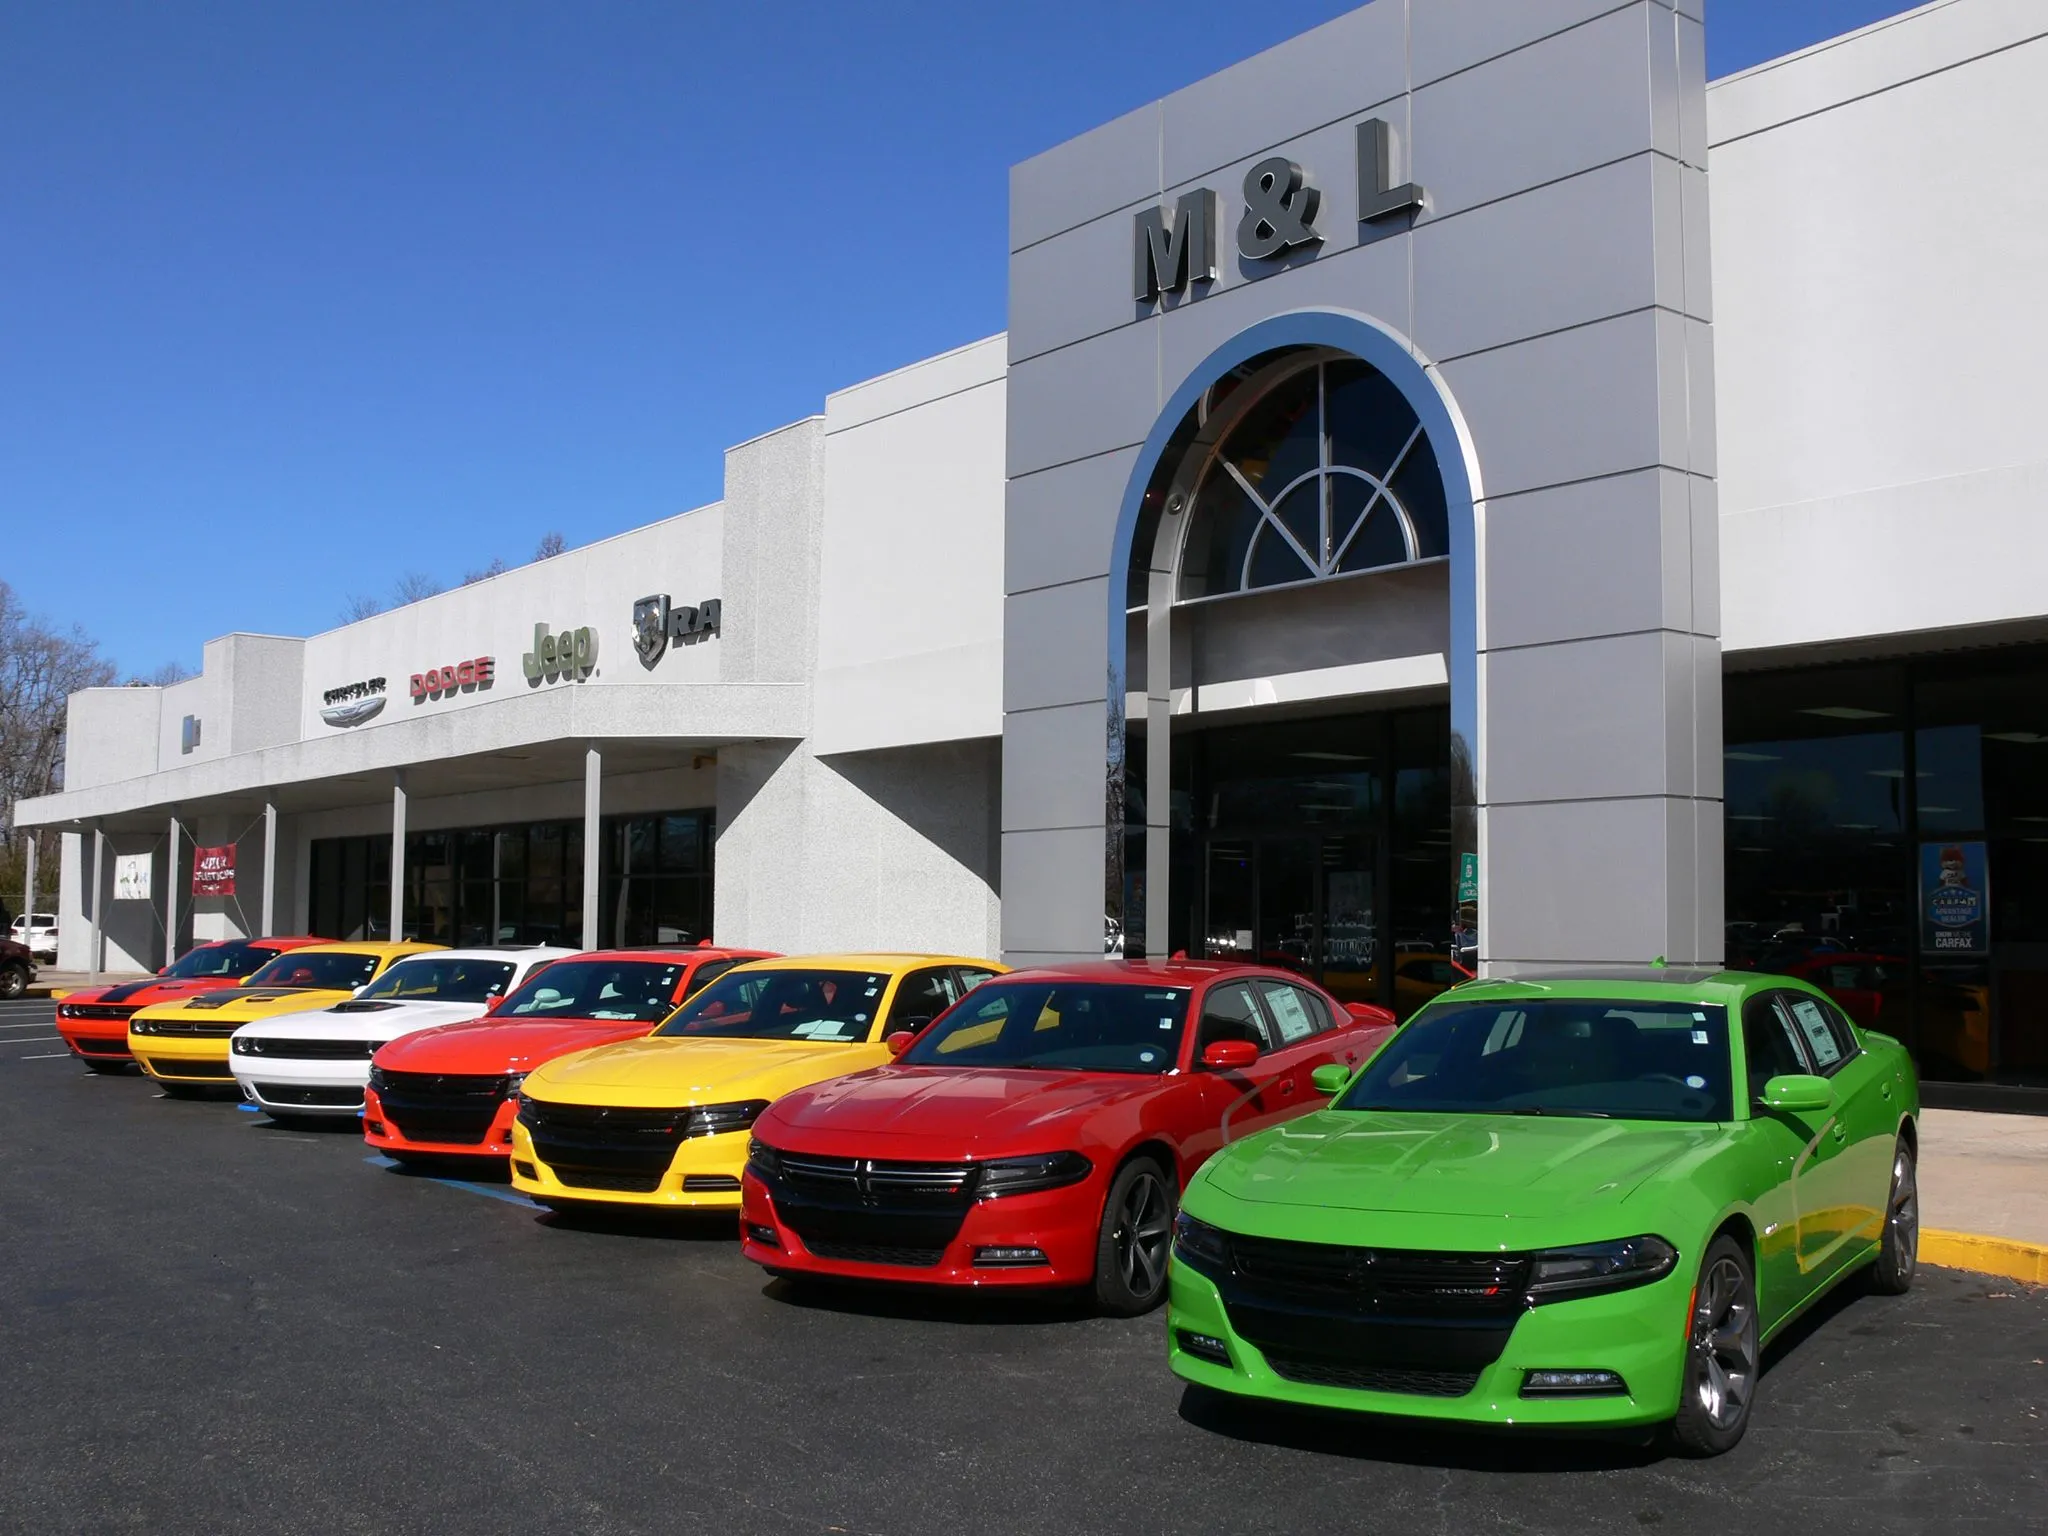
1325, 471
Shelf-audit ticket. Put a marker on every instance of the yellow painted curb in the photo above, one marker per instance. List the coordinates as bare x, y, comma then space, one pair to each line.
2005, 1256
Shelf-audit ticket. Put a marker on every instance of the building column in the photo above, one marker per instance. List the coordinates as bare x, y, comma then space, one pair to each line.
593, 767
171, 895
269, 868
95, 953
28, 900
397, 929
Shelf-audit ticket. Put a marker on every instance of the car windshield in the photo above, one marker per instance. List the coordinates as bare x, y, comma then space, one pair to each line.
229, 960
1059, 1026
831, 1007
444, 978
1554, 1056
622, 991
333, 970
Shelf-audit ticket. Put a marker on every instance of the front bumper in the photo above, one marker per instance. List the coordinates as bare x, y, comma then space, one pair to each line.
282, 1086
1064, 1225
96, 1039
199, 1060
1640, 1334
382, 1132
704, 1175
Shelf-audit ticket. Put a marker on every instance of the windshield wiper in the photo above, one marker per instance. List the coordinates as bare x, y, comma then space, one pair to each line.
1576, 1114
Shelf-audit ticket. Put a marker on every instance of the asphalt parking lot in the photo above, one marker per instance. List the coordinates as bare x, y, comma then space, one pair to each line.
212, 1325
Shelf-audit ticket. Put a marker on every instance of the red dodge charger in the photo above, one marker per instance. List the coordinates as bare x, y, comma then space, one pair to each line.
1040, 1131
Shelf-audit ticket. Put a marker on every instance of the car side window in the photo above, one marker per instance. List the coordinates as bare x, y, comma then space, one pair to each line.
1770, 1043
1828, 1044
921, 997
970, 977
1230, 1013
706, 973
1291, 1011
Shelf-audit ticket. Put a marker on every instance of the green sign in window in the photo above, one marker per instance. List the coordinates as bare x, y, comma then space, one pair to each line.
1468, 877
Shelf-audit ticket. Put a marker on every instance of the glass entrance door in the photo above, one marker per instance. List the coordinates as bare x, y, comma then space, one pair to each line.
1304, 902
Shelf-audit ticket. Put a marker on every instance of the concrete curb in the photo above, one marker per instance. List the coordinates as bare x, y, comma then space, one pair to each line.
2005, 1256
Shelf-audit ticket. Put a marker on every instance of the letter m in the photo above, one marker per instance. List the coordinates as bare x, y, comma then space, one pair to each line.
1166, 259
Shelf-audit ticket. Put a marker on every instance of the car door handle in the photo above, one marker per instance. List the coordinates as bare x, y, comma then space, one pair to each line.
1841, 1132
1287, 1085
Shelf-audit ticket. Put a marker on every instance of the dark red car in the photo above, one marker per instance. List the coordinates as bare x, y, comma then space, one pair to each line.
1039, 1132
94, 1020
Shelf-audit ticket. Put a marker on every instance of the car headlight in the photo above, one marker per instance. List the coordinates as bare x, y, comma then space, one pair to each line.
139, 1026
1201, 1245
1021, 1175
242, 1047
717, 1119
1558, 1274
762, 1159
514, 1081
66, 1011
378, 1080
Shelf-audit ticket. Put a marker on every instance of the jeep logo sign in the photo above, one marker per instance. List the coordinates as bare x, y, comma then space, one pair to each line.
570, 654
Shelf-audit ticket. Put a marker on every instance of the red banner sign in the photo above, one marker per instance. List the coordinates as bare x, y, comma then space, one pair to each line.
213, 871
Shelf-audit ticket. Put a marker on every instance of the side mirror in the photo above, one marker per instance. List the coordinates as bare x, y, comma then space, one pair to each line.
1370, 1013
1330, 1077
899, 1040
492, 1006
1229, 1055
160, 970
1799, 1093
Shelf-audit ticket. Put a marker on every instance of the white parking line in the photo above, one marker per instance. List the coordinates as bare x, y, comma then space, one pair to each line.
52, 1056
33, 1040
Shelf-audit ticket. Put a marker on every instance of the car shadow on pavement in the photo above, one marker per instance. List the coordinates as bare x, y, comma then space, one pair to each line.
931, 1304
1838, 1300
661, 1226
1411, 1442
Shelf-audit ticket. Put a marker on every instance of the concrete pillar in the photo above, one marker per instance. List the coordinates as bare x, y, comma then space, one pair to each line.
28, 900
171, 894
593, 767
397, 930
95, 951
269, 867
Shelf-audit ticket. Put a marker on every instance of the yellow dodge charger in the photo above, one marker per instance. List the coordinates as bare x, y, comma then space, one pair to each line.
184, 1044
663, 1120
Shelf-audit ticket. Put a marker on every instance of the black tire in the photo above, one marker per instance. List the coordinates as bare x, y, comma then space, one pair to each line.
1898, 1254
103, 1064
1135, 1238
13, 982
1723, 1357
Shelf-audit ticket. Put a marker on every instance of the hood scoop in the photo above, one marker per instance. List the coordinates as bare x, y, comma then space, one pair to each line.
361, 1005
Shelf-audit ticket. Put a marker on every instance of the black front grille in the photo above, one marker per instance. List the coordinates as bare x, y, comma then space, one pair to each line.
592, 1147
1339, 1315
1360, 1378
103, 1047
97, 1010
434, 1106
187, 1029
710, 1184
326, 1098
165, 1067
308, 1050
845, 1207
870, 1253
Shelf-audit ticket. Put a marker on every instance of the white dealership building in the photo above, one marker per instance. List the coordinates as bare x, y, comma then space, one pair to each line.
1457, 488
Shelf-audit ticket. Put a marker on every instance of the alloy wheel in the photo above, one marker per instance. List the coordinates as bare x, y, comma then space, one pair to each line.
1724, 1344
1144, 1230
1904, 1217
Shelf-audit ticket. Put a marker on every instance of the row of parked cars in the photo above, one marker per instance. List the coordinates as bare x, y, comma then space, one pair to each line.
1569, 1201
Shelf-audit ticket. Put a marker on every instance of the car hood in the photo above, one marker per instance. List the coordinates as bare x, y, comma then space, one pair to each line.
151, 989
963, 1111
364, 1019
679, 1070
1517, 1166
489, 1045
242, 1005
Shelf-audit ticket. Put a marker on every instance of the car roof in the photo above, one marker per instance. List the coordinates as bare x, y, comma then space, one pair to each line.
892, 963
499, 952
366, 947
1642, 983
1139, 973
674, 952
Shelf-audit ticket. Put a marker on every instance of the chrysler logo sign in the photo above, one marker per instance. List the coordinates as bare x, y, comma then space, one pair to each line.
657, 622
353, 703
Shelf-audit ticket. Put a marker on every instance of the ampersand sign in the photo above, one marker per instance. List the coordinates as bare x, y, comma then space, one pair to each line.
1279, 210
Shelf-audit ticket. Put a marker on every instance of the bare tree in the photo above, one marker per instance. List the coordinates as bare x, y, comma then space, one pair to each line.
170, 672
551, 545
361, 606
497, 567
413, 586
40, 668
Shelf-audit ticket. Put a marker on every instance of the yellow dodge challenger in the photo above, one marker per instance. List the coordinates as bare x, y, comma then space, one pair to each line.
184, 1044
663, 1120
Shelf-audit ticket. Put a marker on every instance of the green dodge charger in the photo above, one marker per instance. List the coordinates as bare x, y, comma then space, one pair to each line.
1569, 1201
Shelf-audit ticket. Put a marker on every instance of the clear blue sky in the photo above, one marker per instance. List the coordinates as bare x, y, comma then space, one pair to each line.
296, 298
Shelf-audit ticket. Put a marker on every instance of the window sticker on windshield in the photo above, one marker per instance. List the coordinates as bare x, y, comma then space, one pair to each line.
608, 1013
1166, 1023
1814, 1025
818, 1029
1699, 1037
1695, 1081
871, 991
